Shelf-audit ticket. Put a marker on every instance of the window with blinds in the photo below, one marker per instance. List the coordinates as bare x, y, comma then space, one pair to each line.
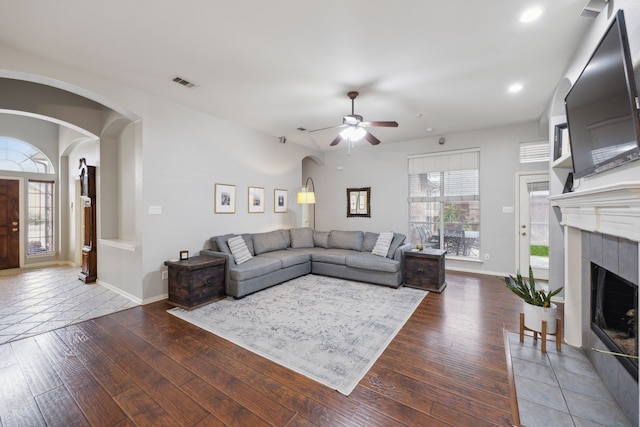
444, 201
531, 152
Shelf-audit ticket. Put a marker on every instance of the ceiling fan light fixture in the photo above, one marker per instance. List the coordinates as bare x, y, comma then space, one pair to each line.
353, 133
351, 120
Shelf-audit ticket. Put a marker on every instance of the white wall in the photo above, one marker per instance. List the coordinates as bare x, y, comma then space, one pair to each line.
179, 154
384, 169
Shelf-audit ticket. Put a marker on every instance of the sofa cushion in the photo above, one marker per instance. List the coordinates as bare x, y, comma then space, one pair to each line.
221, 243
286, 236
267, 242
321, 239
368, 261
382, 244
248, 240
255, 267
369, 241
398, 240
346, 239
239, 249
330, 256
288, 257
301, 237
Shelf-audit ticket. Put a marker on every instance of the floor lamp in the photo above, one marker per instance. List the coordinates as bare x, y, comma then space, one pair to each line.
308, 197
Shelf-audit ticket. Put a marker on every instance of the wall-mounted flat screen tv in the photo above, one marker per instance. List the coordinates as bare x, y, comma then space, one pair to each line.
602, 107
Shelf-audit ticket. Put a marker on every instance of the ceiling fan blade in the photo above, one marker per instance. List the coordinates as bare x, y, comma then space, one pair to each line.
372, 139
330, 127
380, 124
336, 141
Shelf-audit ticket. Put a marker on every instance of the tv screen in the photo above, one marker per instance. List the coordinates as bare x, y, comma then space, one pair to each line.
602, 107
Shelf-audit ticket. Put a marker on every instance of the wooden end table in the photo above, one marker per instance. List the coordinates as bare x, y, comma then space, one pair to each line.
425, 269
196, 281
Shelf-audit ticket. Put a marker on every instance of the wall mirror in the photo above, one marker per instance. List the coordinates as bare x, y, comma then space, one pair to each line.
359, 202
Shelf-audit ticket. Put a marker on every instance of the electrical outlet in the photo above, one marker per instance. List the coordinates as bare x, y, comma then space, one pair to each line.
486, 257
165, 275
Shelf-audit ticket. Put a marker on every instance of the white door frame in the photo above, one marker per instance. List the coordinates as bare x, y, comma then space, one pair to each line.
519, 175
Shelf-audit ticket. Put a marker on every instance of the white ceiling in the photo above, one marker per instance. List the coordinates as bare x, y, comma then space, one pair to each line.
279, 65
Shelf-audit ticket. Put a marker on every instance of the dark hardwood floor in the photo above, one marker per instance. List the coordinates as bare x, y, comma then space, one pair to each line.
143, 366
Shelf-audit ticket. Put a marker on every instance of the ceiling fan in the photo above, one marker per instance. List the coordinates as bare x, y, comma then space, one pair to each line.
355, 125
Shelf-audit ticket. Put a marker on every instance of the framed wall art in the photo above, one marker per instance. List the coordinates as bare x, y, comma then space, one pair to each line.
280, 201
359, 202
225, 198
256, 199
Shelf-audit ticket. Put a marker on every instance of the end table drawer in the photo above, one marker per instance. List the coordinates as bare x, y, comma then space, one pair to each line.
420, 273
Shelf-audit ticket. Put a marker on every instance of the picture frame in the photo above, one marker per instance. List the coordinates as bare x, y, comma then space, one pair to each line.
560, 141
225, 199
280, 200
359, 202
256, 199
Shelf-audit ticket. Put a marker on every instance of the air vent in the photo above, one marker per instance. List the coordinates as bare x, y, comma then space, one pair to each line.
183, 82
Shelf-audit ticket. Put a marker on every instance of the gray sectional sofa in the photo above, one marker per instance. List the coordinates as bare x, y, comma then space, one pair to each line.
281, 255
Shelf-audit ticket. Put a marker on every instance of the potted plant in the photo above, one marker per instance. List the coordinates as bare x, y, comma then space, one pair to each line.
537, 304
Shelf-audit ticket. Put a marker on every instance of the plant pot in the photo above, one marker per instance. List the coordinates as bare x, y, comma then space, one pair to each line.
534, 315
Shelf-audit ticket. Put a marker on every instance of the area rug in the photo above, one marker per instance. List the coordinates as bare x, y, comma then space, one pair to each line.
330, 330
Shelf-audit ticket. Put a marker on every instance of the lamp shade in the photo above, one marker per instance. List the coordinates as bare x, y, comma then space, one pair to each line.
306, 197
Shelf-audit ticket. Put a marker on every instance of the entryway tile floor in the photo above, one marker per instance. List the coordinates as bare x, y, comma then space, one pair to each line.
37, 300
560, 388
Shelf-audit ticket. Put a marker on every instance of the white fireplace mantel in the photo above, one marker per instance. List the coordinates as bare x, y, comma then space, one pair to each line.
612, 209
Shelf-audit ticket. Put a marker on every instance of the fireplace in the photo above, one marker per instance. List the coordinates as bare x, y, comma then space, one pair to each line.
601, 227
614, 304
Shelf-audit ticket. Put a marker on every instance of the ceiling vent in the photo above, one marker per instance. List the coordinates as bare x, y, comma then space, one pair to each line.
593, 8
183, 82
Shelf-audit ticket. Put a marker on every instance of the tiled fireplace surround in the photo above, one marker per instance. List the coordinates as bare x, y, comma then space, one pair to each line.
601, 226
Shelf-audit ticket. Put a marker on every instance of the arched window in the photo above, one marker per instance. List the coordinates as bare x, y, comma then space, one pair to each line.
19, 156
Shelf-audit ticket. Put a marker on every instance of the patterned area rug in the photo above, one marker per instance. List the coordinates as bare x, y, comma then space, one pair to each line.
330, 330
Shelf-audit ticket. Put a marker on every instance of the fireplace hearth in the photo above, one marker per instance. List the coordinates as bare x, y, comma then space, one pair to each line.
614, 304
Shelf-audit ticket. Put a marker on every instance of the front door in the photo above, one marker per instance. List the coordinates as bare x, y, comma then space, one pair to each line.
533, 228
9, 224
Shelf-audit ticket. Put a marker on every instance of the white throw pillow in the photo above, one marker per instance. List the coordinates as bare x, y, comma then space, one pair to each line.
382, 244
239, 249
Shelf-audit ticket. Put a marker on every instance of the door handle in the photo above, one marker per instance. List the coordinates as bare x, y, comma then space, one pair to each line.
14, 229
524, 233
14, 223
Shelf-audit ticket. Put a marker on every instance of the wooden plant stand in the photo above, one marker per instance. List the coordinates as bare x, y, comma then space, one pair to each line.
543, 334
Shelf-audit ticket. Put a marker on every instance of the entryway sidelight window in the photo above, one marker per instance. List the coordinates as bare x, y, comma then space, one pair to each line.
41, 225
444, 201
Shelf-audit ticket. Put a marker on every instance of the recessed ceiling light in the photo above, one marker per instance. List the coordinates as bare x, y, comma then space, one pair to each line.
515, 88
531, 14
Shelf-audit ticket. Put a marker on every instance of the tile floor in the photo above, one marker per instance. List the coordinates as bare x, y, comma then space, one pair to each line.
37, 300
560, 388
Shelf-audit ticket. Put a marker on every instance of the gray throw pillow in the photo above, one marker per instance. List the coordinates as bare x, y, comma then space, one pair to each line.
398, 239
321, 239
346, 239
301, 237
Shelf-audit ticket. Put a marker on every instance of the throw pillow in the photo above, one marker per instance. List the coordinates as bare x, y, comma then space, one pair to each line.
398, 239
301, 237
382, 244
239, 249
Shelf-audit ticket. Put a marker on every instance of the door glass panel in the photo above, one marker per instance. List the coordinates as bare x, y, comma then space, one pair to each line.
539, 224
